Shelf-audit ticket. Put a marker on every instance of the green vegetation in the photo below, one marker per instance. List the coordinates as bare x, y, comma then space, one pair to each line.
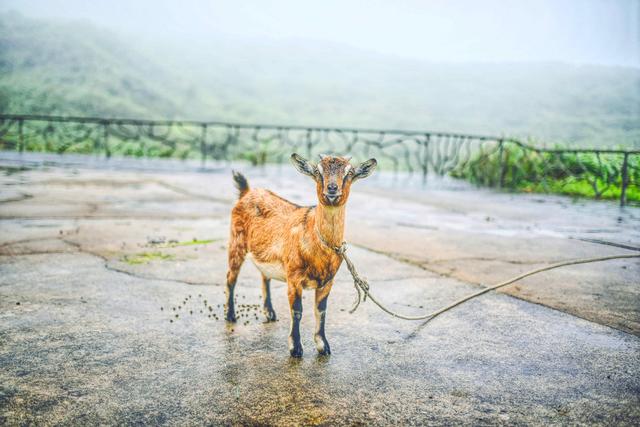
147, 257
173, 244
76, 69
574, 174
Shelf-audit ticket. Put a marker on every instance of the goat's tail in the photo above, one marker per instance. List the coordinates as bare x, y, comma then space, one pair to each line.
241, 183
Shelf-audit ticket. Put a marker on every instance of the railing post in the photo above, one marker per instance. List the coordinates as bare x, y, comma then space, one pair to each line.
625, 179
203, 146
309, 144
105, 139
517, 159
20, 136
96, 142
425, 158
502, 164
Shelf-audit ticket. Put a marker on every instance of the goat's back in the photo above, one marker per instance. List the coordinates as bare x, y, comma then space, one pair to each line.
265, 219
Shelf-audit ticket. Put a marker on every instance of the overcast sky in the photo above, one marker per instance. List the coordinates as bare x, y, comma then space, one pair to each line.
575, 31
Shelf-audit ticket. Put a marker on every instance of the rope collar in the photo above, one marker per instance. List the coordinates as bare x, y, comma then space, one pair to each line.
340, 250
361, 285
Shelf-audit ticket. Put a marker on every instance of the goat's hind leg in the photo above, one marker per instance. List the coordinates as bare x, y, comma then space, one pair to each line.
267, 308
237, 253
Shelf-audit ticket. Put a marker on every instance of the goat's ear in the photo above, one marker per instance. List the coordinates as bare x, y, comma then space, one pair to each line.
304, 166
365, 169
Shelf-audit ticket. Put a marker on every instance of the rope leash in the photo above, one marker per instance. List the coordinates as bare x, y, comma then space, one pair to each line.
362, 286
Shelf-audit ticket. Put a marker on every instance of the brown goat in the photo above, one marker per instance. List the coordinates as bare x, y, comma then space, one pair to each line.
292, 243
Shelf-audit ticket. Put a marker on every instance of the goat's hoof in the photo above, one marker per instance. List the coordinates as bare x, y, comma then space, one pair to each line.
322, 345
296, 351
270, 315
325, 351
230, 317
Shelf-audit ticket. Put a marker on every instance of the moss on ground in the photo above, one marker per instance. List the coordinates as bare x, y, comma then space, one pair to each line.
147, 257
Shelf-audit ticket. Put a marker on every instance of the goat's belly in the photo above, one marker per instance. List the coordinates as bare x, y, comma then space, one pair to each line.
272, 270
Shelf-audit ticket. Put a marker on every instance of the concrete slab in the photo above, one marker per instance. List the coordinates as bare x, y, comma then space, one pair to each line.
88, 331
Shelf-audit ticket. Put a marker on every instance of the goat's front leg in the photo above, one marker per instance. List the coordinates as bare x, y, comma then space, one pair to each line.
322, 295
295, 305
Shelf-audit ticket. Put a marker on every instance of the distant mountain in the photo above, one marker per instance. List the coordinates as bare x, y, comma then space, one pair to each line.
52, 68
73, 68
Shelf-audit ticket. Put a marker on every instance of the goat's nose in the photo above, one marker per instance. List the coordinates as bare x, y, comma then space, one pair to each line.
332, 188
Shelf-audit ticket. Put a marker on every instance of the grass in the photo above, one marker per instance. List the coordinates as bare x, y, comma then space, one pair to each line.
581, 188
147, 257
574, 174
515, 167
49, 67
188, 243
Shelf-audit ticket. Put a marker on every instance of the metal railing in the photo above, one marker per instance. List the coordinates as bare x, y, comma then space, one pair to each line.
485, 160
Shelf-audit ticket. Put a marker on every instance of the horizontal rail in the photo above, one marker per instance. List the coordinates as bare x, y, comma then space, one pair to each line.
405, 132
494, 161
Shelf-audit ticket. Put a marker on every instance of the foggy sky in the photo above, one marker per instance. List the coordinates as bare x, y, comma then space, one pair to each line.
574, 31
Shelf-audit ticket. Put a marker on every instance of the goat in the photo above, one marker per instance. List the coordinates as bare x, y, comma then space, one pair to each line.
292, 243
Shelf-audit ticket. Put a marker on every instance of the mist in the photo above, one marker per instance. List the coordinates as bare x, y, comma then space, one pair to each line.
578, 31
556, 71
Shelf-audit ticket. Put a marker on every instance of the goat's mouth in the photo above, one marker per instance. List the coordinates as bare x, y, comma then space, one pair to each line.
332, 198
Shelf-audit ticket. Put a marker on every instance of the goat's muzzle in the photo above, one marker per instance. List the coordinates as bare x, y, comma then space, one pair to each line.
332, 198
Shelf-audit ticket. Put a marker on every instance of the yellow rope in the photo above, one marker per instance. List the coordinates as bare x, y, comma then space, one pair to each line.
362, 286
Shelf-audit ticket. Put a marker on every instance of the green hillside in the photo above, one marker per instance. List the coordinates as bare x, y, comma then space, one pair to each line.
73, 68
50, 68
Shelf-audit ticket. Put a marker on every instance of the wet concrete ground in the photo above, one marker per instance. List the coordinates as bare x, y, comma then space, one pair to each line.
94, 259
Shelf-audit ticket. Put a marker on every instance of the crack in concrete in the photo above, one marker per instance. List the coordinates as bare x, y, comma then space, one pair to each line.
14, 255
92, 208
191, 194
102, 182
394, 279
110, 217
421, 264
506, 261
414, 334
605, 242
109, 267
35, 239
413, 225
405, 260
20, 198
80, 249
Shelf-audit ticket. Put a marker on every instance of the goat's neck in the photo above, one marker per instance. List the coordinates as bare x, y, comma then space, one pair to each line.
330, 223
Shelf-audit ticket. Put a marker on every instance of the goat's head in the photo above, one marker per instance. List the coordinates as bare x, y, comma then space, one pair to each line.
333, 176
